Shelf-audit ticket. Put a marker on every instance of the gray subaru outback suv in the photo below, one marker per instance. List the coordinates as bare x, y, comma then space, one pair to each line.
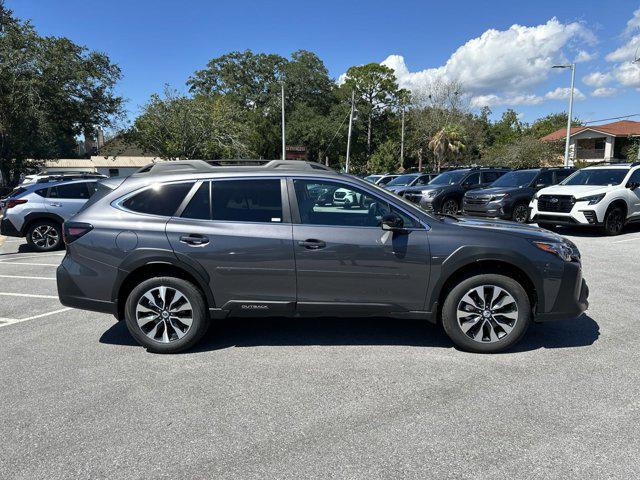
180, 243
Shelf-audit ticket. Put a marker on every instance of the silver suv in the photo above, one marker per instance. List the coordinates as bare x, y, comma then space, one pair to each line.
37, 211
180, 243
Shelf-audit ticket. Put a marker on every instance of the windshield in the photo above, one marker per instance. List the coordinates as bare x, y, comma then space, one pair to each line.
448, 178
372, 178
600, 176
520, 179
402, 180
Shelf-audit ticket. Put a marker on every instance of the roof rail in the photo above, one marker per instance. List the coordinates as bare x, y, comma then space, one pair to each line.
204, 166
57, 177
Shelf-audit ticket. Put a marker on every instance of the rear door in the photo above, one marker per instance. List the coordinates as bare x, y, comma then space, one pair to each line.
346, 263
66, 199
239, 230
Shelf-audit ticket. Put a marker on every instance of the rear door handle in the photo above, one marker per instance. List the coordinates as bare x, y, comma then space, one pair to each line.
312, 244
55, 204
194, 239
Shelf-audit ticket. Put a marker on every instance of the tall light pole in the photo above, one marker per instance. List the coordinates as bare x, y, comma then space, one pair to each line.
353, 99
284, 153
402, 142
573, 76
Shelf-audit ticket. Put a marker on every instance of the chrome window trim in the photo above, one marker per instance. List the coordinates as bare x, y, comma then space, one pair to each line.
117, 203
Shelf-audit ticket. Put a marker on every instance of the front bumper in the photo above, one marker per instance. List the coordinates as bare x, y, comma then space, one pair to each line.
8, 229
572, 299
581, 214
489, 210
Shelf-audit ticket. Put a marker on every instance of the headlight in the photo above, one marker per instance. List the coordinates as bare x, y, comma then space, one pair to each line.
431, 193
500, 196
560, 249
593, 199
535, 196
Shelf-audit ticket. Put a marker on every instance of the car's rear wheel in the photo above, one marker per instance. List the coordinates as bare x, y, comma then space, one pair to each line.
166, 314
450, 206
44, 235
614, 221
520, 213
486, 313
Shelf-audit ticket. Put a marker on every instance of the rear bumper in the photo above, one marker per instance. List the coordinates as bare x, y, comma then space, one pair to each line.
71, 295
572, 300
8, 229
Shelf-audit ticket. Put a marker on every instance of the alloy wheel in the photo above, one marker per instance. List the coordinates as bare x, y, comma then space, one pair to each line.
520, 213
450, 207
614, 222
487, 313
45, 236
164, 314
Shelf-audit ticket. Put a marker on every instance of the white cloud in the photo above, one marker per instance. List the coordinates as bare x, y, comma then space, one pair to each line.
561, 93
628, 74
584, 56
633, 23
626, 52
604, 92
494, 100
501, 63
597, 79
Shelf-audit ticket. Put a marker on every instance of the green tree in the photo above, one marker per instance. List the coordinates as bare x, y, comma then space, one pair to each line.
376, 92
179, 127
549, 124
447, 144
386, 158
507, 129
51, 91
524, 152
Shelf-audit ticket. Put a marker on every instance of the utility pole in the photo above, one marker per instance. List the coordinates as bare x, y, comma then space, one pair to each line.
284, 152
402, 142
353, 99
566, 145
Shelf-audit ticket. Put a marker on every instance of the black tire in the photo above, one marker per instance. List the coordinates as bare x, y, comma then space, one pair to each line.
200, 318
614, 221
44, 236
465, 341
520, 213
450, 206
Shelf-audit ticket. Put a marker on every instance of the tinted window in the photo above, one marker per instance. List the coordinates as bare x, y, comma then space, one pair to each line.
562, 174
490, 177
402, 180
597, 176
472, 179
199, 206
422, 180
71, 190
635, 177
519, 178
161, 199
545, 178
330, 203
448, 178
247, 201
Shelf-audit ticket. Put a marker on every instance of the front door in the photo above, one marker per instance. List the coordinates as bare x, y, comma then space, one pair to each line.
237, 231
345, 262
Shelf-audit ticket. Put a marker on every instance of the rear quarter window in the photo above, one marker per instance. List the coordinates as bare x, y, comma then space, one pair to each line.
162, 199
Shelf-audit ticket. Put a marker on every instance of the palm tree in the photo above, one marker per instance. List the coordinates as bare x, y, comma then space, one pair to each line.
448, 142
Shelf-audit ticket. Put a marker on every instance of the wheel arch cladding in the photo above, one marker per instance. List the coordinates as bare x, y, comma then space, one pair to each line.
454, 270
619, 202
159, 268
33, 217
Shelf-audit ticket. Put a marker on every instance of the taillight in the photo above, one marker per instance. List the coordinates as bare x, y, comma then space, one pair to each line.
12, 202
72, 231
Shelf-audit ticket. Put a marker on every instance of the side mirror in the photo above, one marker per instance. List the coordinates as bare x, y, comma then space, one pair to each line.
540, 185
633, 185
391, 221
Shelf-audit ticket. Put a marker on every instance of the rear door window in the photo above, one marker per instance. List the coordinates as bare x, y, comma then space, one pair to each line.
490, 177
199, 207
162, 199
247, 200
70, 191
545, 178
562, 174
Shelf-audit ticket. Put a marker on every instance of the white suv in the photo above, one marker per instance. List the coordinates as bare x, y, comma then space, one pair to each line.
605, 196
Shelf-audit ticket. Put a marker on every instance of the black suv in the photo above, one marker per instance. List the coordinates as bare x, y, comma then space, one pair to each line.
509, 196
444, 193
181, 243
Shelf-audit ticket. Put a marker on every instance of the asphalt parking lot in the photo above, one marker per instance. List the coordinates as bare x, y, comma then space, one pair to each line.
325, 398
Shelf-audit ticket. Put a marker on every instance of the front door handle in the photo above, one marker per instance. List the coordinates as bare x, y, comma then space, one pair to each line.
312, 244
194, 239
55, 204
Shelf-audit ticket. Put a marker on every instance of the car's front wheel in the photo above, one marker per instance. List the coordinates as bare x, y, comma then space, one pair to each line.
166, 314
614, 221
450, 206
520, 213
486, 313
44, 236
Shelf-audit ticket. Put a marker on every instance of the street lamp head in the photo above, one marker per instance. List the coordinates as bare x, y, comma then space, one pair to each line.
561, 66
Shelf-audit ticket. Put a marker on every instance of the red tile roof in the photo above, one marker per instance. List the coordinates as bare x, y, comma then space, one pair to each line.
623, 128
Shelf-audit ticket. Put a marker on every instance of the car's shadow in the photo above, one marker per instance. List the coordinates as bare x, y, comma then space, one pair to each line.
595, 232
242, 332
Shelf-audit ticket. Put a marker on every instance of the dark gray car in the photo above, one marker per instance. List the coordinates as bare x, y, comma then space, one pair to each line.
177, 244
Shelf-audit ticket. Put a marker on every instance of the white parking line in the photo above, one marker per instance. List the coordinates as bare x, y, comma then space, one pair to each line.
27, 278
627, 240
11, 321
29, 295
31, 264
25, 257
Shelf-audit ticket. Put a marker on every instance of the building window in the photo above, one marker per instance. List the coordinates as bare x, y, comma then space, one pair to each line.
114, 172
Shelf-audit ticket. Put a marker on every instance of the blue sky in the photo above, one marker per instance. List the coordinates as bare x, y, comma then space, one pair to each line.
501, 51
